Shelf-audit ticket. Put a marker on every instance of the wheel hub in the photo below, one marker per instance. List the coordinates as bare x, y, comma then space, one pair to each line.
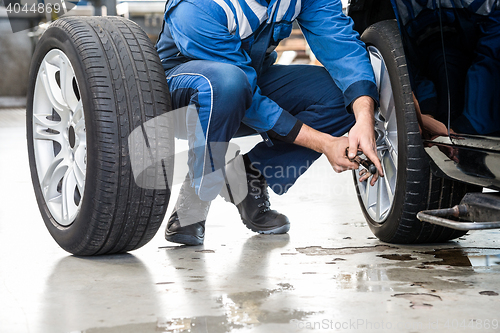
59, 137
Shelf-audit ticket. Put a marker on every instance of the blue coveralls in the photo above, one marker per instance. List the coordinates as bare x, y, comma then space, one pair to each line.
472, 56
219, 62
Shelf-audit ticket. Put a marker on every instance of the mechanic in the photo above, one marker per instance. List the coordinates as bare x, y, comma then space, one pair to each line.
218, 57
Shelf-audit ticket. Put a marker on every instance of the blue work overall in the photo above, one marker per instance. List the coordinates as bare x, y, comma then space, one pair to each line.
220, 95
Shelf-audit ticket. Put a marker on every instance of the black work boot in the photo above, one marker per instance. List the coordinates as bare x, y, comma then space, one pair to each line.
186, 225
255, 209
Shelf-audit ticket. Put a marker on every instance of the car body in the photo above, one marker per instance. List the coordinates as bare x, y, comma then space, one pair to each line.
464, 157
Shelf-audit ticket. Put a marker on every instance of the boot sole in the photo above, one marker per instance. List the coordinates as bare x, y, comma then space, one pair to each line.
279, 230
185, 239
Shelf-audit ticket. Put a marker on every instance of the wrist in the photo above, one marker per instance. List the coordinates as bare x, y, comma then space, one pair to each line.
326, 141
363, 108
313, 139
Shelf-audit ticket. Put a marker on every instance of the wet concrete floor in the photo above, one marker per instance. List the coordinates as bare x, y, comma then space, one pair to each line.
328, 274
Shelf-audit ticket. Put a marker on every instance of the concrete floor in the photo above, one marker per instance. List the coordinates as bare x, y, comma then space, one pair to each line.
328, 273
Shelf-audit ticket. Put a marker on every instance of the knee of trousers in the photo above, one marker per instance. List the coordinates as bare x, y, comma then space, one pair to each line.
231, 89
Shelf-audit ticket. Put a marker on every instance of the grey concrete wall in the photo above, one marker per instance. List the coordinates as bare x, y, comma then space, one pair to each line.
15, 58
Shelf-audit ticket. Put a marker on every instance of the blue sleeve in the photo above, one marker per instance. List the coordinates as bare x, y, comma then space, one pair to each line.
199, 35
336, 44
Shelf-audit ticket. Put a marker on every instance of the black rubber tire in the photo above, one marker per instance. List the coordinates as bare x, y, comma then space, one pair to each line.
122, 85
416, 188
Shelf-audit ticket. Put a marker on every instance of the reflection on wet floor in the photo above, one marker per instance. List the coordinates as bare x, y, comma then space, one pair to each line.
319, 251
241, 310
419, 300
399, 257
485, 260
245, 308
454, 267
475, 257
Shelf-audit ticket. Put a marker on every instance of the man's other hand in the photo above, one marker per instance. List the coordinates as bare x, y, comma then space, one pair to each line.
362, 134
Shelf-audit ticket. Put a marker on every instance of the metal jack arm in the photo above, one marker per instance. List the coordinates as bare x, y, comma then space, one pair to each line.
482, 209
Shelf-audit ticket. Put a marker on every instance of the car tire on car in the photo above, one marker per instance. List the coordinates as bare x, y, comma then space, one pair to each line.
93, 81
391, 206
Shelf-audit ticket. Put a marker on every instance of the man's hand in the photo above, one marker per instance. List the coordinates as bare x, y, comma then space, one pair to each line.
362, 134
334, 148
335, 152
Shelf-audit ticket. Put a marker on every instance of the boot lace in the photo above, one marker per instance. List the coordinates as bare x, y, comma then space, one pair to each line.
258, 190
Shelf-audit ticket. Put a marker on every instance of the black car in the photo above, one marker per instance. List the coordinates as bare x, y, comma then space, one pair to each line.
437, 66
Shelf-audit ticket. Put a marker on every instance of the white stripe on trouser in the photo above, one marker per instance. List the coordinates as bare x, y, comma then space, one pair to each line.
199, 128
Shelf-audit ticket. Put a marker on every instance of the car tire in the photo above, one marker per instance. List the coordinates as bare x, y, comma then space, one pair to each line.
93, 81
391, 206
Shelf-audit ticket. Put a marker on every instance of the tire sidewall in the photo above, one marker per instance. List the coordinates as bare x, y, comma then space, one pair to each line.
68, 237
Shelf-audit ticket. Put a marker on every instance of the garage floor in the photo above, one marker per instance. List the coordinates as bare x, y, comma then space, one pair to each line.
328, 274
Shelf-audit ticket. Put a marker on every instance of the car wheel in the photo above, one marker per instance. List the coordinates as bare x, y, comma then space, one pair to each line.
390, 207
94, 80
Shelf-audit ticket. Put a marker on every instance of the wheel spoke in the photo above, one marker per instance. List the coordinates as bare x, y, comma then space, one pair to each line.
371, 195
390, 166
79, 122
386, 96
40, 126
69, 184
44, 135
363, 189
78, 116
42, 121
66, 78
52, 90
391, 124
389, 172
376, 204
382, 199
377, 66
53, 176
390, 189
391, 140
80, 167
